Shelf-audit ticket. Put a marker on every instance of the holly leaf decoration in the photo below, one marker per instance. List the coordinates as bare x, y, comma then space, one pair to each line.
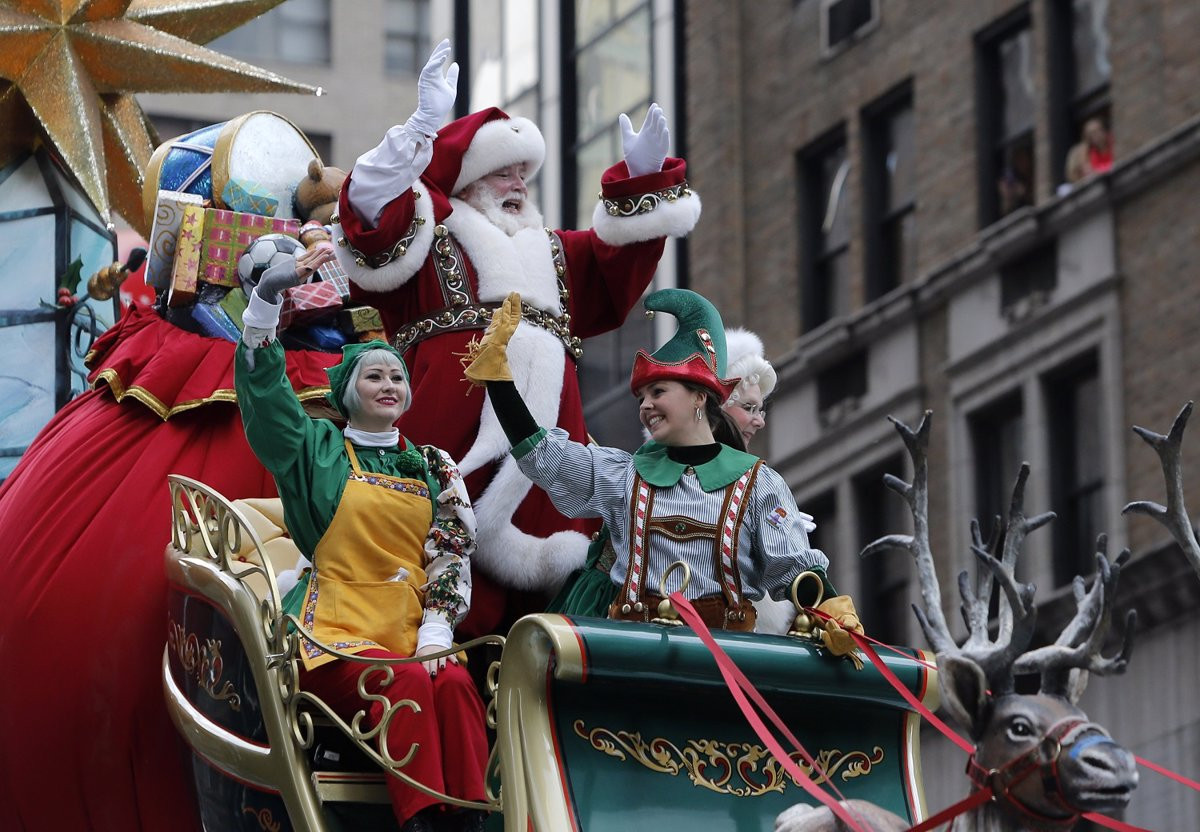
72, 276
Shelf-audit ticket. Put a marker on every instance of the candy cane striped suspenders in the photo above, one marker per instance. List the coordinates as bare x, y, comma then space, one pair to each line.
733, 510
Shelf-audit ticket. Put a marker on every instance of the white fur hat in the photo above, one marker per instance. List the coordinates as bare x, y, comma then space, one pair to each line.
475, 145
746, 361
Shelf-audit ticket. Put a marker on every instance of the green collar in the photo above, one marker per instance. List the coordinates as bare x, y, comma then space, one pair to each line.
658, 469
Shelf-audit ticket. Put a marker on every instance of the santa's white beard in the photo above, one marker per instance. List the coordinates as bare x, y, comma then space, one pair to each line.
507, 221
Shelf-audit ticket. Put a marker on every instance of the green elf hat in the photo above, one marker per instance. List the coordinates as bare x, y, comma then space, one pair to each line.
696, 353
340, 373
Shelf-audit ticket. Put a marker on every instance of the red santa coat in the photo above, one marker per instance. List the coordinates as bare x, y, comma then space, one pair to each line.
524, 543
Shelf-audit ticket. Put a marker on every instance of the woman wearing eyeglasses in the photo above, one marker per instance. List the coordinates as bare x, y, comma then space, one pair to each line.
745, 404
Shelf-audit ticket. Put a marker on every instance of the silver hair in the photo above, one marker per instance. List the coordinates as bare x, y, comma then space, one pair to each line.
751, 369
351, 400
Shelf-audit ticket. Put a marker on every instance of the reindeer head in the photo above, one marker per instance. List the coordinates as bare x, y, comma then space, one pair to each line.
1045, 761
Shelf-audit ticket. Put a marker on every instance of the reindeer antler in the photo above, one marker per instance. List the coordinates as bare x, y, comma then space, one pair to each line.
1065, 665
1174, 515
995, 657
916, 494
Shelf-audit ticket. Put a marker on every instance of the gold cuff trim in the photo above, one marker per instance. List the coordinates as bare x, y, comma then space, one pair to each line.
397, 251
634, 205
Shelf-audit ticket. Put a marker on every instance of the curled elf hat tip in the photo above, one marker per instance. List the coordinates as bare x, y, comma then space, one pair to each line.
341, 373
695, 354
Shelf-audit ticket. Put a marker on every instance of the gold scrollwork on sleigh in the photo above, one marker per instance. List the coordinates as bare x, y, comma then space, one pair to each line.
740, 769
266, 820
203, 663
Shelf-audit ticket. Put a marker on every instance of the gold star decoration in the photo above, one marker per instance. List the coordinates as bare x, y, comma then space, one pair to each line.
69, 70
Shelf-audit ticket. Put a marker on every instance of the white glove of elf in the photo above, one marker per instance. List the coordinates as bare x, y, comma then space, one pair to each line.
646, 150
278, 279
435, 93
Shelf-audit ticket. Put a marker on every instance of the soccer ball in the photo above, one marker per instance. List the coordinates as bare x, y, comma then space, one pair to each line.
266, 251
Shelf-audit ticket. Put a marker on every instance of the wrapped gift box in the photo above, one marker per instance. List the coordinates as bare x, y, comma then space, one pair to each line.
249, 198
308, 301
168, 215
215, 322
332, 272
360, 319
185, 268
226, 235
234, 303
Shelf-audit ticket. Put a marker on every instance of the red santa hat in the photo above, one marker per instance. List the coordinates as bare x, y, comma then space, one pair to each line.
475, 145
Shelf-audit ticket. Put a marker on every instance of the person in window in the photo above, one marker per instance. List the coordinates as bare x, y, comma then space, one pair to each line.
389, 529
1015, 186
1093, 154
691, 493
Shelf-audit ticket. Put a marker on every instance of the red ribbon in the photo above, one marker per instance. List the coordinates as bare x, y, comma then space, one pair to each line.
741, 688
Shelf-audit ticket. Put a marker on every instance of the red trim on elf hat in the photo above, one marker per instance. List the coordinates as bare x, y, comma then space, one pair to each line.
693, 369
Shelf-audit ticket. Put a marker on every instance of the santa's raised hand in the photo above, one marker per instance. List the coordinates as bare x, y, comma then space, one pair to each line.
435, 92
645, 150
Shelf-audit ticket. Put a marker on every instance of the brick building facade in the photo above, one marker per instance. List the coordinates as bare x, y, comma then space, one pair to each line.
886, 204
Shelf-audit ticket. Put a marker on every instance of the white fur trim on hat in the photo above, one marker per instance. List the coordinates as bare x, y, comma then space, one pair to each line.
399, 271
744, 360
501, 143
668, 219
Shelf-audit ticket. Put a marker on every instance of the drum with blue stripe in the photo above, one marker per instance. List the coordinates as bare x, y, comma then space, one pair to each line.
259, 147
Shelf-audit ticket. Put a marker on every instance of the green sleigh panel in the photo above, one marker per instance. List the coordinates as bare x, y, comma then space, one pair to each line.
603, 725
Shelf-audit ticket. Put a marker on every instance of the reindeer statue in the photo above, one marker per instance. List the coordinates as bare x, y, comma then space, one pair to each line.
1044, 762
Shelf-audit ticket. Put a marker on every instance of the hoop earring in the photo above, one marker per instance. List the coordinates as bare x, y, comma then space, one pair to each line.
699, 414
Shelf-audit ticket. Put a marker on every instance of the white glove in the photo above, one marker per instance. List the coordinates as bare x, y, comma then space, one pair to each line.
646, 150
435, 93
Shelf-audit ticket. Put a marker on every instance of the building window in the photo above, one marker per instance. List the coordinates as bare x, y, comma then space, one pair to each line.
823, 509
825, 289
844, 20
1027, 283
1006, 117
406, 36
504, 62
612, 68
607, 72
296, 32
1079, 72
997, 434
883, 577
840, 389
1073, 415
889, 191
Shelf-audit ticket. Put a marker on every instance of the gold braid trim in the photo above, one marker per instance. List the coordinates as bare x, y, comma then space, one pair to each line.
156, 406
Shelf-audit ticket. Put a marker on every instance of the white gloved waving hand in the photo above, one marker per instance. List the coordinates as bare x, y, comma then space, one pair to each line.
435, 92
646, 150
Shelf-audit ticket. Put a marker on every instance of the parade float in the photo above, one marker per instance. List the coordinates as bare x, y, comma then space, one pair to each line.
193, 713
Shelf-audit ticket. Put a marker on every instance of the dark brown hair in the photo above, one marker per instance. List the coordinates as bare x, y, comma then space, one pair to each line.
724, 429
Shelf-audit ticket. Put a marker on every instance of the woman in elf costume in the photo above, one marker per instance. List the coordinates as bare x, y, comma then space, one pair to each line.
390, 530
691, 493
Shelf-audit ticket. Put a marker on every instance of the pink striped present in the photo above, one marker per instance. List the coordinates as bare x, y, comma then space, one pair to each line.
226, 235
307, 301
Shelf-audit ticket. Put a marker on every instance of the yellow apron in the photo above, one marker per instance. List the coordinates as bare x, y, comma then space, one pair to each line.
365, 588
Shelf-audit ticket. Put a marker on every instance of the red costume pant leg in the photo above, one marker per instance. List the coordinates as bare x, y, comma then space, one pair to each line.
449, 729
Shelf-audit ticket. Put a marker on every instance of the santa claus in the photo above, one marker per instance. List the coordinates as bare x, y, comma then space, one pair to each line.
435, 228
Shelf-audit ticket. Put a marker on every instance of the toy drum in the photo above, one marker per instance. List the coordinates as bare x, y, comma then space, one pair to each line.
260, 147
